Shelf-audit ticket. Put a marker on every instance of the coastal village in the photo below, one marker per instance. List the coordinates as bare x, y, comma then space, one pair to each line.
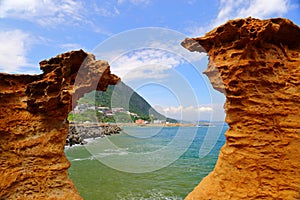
106, 113
89, 126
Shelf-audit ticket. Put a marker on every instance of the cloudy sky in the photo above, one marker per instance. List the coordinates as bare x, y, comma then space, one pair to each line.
139, 38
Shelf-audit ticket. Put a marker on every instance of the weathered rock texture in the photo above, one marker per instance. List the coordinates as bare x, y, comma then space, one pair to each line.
256, 64
33, 126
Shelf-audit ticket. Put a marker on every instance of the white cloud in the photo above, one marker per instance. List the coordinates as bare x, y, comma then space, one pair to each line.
204, 109
13, 49
106, 9
190, 113
232, 9
46, 13
265, 8
144, 63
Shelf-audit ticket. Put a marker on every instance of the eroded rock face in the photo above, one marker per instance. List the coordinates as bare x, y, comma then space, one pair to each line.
256, 64
33, 126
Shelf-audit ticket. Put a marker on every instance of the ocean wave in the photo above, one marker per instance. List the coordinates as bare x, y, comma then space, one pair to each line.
70, 147
154, 194
112, 152
83, 159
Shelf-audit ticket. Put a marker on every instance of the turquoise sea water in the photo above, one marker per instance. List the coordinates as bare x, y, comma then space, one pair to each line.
130, 158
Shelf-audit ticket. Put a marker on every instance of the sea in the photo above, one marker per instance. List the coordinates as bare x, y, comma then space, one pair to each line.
145, 163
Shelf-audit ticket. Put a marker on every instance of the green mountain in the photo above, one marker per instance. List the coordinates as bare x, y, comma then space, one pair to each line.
122, 96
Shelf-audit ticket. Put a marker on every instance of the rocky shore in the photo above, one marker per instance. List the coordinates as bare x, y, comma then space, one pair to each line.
77, 133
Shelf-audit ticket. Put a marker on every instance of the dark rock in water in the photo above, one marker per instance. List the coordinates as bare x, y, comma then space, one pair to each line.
77, 133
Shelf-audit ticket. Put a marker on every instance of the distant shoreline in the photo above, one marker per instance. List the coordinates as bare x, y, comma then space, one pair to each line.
80, 132
156, 125
133, 125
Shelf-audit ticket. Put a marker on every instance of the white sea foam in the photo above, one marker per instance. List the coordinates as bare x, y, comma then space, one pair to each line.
83, 159
111, 152
148, 195
74, 145
88, 140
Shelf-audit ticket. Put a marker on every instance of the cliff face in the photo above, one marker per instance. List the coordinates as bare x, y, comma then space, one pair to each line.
33, 126
256, 64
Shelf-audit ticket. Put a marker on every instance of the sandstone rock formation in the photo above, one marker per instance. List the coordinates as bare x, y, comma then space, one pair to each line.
256, 64
33, 126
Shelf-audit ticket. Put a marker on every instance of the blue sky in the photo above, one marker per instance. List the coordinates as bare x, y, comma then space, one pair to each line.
148, 59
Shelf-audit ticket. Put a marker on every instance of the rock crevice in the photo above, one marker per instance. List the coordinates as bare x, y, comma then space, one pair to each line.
33, 126
256, 64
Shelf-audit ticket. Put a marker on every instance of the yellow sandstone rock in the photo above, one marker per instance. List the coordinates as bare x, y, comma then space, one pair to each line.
33, 126
256, 64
